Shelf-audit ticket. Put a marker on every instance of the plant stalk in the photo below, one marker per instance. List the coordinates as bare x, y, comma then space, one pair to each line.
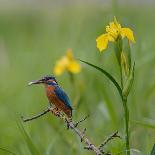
126, 115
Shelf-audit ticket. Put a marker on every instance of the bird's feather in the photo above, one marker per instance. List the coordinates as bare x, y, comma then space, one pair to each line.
63, 96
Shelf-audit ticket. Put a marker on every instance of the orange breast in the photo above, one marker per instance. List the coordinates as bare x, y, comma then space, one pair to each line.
56, 101
49, 91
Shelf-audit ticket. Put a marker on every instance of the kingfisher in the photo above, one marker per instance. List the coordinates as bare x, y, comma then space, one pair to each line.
56, 95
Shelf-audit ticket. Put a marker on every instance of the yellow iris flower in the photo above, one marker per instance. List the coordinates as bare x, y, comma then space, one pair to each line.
113, 31
67, 63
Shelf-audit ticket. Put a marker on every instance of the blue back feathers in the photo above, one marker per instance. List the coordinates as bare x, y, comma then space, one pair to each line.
63, 96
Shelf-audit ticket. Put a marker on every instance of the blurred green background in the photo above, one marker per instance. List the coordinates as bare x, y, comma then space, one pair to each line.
34, 35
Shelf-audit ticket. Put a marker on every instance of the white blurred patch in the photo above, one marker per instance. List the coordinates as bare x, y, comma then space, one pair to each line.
132, 152
104, 110
135, 152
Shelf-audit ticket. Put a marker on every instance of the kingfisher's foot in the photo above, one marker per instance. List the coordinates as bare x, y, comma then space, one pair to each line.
68, 121
55, 111
68, 126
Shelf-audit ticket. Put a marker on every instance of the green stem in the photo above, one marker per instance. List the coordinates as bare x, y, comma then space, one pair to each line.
72, 78
121, 77
126, 114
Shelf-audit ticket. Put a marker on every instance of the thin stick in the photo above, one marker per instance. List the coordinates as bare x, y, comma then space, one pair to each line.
36, 116
77, 123
89, 144
112, 136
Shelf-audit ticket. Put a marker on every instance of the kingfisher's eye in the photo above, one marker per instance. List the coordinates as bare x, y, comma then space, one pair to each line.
52, 82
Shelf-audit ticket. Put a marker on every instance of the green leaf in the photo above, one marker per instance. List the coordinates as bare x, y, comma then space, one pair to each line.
153, 150
30, 144
112, 79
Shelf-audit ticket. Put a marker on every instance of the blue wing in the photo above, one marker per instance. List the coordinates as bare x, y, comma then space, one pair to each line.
63, 97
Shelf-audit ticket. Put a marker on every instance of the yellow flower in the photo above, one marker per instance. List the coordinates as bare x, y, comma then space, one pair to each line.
113, 31
67, 63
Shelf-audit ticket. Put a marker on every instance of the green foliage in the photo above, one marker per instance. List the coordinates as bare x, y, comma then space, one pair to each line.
153, 150
30, 144
7, 151
30, 43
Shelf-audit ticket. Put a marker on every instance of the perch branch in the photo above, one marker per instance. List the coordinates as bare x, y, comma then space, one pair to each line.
36, 116
73, 126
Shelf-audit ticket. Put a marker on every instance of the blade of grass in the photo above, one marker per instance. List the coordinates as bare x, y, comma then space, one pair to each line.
6, 150
153, 150
30, 144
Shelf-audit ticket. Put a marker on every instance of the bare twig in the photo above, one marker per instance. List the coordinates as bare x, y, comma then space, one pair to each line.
112, 136
36, 116
83, 132
77, 123
89, 144
73, 126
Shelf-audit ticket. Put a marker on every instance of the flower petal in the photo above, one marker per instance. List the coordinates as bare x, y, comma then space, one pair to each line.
61, 66
74, 67
58, 69
102, 42
69, 54
117, 23
114, 29
127, 32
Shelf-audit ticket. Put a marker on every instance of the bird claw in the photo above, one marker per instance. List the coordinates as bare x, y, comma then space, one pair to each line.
68, 126
55, 111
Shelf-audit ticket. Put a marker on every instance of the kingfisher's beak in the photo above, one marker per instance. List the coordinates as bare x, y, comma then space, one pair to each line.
36, 82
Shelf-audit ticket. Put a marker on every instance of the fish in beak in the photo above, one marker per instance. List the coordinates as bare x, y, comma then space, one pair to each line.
36, 82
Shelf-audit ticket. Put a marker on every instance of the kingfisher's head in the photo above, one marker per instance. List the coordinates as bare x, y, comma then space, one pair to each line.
48, 80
